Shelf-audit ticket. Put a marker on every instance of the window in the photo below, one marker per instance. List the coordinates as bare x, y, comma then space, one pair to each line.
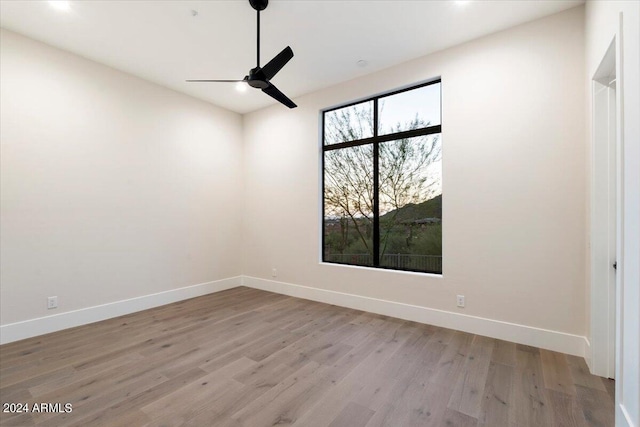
382, 181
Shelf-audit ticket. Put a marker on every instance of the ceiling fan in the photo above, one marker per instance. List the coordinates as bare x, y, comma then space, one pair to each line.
259, 76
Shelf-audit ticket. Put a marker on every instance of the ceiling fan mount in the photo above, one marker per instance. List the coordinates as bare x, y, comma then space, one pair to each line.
259, 77
259, 4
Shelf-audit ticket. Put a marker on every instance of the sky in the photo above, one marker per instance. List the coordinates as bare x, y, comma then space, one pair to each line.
402, 107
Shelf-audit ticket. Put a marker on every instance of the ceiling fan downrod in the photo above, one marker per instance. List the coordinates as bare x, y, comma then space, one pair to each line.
258, 5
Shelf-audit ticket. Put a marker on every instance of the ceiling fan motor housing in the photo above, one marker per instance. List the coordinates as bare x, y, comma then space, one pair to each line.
257, 79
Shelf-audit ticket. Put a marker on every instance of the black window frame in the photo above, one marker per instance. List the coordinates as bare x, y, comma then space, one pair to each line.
375, 141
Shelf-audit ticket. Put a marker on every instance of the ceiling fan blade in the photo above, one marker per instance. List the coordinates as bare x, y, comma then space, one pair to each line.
220, 81
273, 92
272, 67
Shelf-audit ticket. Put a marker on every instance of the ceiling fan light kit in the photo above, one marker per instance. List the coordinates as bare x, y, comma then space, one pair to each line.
259, 77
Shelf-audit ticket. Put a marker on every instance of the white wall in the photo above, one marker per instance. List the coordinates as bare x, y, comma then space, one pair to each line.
112, 187
513, 178
606, 21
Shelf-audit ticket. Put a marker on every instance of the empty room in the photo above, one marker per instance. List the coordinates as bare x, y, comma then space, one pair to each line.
255, 213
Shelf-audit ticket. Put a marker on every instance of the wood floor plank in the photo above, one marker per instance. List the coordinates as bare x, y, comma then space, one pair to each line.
457, 419
20, 388
119, 412
382, 416
365, 359
417, 403
75, 375
497, 398
597, 406
557, 375
287, 401
416, 400
15, 394
565, 411
205, 391
250, 358
17, 420
610, 385
581, 376
215, 353
341, 320
353, 415
182, 411
310, 318
237, 349
443, 335
272, 346
133, 418
208, 418
403, 363
93, 400
467, 394
265, 374
504, 352
531, 406
452, 361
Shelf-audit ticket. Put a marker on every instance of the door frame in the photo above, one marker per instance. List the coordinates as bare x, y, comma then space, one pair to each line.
606, 210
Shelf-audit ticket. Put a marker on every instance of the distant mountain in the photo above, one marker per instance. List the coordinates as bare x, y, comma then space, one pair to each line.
432, 208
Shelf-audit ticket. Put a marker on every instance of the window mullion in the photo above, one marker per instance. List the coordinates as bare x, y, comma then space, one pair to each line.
376, 188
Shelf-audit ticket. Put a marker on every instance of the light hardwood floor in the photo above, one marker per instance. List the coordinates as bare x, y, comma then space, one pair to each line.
245, 357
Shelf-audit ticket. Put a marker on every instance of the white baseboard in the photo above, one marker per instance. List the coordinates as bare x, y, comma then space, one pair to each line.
44, 325
521, 334
543, 338
588, 354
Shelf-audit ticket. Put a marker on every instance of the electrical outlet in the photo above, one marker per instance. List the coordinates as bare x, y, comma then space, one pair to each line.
52, 302
460, 300
274, 272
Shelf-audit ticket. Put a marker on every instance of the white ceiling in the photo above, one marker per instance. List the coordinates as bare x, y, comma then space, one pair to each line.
161, 41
